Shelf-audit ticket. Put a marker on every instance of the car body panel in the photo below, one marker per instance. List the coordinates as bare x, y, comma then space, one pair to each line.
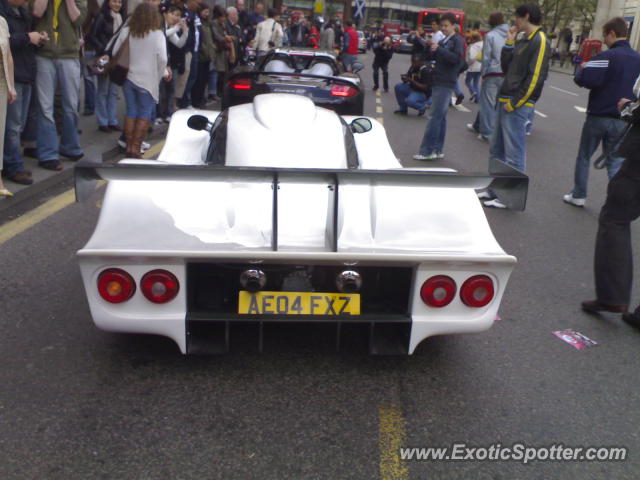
238, 218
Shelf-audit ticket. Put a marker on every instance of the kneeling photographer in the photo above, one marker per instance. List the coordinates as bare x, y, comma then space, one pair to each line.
414, 90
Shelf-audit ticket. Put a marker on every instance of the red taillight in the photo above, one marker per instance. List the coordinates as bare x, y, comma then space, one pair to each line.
477, 291
343, 91
159, 286
116, 285
438, 291
240, 84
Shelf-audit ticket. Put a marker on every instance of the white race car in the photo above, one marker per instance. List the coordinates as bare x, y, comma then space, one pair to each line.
280, 211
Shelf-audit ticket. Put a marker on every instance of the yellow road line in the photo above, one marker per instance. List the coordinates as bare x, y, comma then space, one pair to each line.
378, 92
378, 100
154, 150
391, 437
381, 120
378, 109
28, 220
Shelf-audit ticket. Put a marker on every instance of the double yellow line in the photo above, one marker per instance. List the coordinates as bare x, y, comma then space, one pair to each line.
54, 205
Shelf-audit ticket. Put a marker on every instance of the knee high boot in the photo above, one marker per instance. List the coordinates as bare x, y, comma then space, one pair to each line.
140, 131
129, 132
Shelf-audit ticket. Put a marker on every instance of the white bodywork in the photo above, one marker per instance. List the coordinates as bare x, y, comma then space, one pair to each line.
146, 225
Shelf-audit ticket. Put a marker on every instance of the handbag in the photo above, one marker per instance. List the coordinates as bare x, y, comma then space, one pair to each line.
118, 66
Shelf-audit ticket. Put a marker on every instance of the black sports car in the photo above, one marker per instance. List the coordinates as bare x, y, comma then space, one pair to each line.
314, 73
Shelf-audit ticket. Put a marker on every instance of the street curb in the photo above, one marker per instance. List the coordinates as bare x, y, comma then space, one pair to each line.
36, 189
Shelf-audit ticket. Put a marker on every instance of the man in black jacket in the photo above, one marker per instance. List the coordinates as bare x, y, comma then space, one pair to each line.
448, 55
383, 51
526, 64
414, 89
613, 264
23, 44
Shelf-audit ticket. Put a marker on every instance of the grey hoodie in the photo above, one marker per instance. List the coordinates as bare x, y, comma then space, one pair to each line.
491, 50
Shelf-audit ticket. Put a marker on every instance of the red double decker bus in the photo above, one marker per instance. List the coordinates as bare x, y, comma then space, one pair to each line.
425, 17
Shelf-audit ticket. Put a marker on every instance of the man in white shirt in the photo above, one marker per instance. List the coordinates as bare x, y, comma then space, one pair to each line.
436, 34
269, 33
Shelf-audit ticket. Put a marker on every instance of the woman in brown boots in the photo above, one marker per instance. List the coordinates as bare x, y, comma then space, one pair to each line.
147, 66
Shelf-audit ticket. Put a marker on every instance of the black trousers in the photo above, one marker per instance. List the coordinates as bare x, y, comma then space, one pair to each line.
613, 263
202, 79
385, 74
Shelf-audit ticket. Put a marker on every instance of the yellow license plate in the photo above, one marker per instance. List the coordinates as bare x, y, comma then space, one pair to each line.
298, 303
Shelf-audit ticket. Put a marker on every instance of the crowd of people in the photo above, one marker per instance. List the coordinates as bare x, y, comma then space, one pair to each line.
158, 55
512, 63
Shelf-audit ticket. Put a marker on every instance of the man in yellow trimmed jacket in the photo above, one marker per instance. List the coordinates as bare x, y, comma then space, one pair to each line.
526, 64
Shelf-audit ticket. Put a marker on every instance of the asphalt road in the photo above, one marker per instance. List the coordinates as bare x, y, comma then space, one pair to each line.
79, 403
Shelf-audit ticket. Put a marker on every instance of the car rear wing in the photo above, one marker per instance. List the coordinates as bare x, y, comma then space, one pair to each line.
510, 185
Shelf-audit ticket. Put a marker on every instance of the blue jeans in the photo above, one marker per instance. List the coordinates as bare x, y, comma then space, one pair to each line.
595, 130
213, 82
89, 85
507, 142
408, 97
529, 125
456, 88
472, 80
64, 72
29, 135
106, 102
433, 139
486, 119
140, 103
348, 60
17, 113
185, 101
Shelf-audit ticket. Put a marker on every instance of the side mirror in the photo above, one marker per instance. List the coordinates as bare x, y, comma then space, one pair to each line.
356, 67
199, 122
361, 125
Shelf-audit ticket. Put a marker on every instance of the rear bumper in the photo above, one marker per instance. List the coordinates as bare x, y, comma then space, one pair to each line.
209, 333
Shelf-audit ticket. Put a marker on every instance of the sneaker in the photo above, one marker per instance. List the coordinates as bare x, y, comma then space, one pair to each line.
400, 112
495, 203
483, 138
440, 155
571, 200
421, 112
167, 119
104, 129
375, 87
431, 156
158, 121
122, 143
471, 128
459, 99
386, 90
115, 128
485, 195
144, 146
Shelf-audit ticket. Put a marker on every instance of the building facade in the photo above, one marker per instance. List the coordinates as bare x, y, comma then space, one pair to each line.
627, 9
